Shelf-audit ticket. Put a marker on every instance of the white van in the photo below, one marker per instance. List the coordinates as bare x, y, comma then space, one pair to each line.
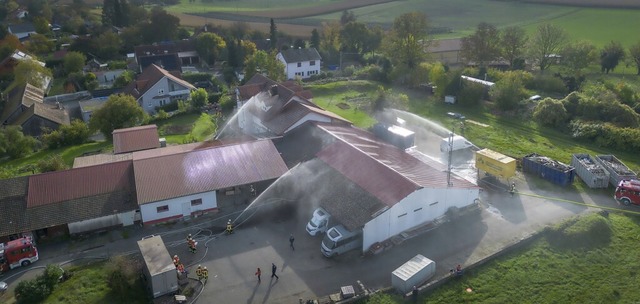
340, 240
319, 223
458, 143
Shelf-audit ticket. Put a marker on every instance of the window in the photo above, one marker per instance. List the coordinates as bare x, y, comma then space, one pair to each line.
312, 62
149, 104
416, 210
299, 64
164, 208
401, 215
196, 202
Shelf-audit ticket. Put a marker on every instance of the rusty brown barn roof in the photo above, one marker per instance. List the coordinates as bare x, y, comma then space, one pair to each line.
175, 175
387, 172
59, 186
135, 139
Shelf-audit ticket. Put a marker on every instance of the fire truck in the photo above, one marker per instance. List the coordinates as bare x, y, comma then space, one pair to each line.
16, 253
628, 192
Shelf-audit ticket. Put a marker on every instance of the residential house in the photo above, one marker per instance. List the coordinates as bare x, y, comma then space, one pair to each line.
300, 63
272, 109
9, 63
171, 56
156, 87
24, 107
135, 139
22, 30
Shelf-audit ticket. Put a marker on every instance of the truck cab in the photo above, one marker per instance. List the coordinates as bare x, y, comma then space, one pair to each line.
339, 240
16, 253
628, 192
319, 223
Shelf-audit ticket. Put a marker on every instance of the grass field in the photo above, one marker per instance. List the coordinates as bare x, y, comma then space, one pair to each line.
554, 269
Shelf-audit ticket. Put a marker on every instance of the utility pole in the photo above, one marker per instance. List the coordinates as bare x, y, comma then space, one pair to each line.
449, 183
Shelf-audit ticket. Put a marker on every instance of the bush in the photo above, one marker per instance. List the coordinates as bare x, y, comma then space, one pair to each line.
161, 115
607, 135
122, 272
550, 112
226, 103
67, 135
14, 143
53, 163
38, 289
548, 84
170, 107
196, 77
470, 94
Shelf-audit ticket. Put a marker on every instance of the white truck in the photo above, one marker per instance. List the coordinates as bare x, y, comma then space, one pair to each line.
319, 223
339, 240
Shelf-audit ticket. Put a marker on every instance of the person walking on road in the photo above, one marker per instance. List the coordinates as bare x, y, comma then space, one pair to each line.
291, 239
258, 274
274, 268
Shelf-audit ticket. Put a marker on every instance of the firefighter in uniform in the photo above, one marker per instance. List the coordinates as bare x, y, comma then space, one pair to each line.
189, 238
181, 268
229, 227
192, 245
199, 272
176, 260
513, 188
205, 274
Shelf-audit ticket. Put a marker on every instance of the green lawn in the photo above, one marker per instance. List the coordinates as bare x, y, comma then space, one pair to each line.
351, 93
554, 268
179, 129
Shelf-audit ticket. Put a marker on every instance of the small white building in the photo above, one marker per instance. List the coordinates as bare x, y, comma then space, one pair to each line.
156, 87
173, 183
300, 63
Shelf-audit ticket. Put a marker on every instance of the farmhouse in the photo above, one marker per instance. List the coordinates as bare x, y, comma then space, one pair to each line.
156, 87
300, 63
272, 109
370, 185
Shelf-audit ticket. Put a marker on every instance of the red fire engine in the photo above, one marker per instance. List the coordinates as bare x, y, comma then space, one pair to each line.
16, 253
628, 192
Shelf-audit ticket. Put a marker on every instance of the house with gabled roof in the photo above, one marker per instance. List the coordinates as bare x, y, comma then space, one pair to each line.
403, 189
22, 30
156, 87
300, 63
24, 107
272, 109
172, 56
186, 183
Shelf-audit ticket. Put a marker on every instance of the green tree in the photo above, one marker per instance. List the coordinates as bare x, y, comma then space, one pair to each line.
513, 40
273, 34
634, 53
546, 41
330, 42
41, 25
199, 98
108, 45
73, 62
353, 37
209, 46
315, 39
115, 12
124, 79
551, 113
266, 64
508, 91
120, 111
347, 16
75, 133
611, 56
578, 55
162, 26
408, 40
90, 81
14, 144
30, 71
39, 44
483, 46
438, 77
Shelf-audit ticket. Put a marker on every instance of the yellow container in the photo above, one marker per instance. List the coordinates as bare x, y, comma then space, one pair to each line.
496, 164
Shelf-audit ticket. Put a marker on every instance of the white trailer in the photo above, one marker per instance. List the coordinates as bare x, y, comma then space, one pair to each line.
414, 272
159, 271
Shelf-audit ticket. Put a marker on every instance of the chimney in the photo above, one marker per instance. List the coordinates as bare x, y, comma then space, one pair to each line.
273, 90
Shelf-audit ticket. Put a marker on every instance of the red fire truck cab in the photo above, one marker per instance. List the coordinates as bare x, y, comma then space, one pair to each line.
628, 192
16, 253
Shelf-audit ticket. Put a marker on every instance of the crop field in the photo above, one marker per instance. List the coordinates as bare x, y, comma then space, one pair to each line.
457, 17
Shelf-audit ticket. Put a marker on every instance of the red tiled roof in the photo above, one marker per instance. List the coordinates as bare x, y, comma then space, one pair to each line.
135, 139
388, 172
54, 187
175, 175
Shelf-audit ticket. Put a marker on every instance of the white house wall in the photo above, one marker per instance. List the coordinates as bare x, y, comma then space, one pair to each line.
149, 103
177, 207
418, 208
305, 67
309, 117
